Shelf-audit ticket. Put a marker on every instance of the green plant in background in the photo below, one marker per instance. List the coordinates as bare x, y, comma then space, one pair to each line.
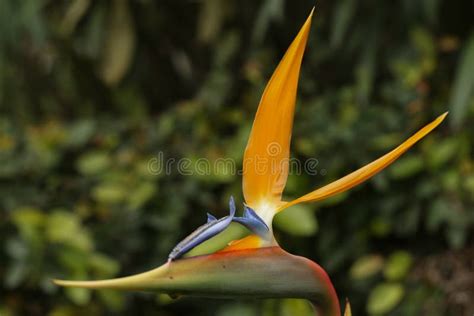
256, 266
73, 142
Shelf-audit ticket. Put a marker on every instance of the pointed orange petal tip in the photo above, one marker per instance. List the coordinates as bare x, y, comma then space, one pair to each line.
442, 116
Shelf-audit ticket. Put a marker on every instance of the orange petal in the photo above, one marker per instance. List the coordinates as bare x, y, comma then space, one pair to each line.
249, 242
367, 171
265, 165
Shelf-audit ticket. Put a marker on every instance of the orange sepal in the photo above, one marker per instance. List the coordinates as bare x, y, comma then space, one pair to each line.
366, 172
249, 242
265, 165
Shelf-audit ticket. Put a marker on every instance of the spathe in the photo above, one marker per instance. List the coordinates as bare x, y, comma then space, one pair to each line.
267, 272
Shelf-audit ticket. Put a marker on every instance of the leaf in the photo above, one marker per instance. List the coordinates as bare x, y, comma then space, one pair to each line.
93, 163
380, 227
141, 194
271, 10
5, 311
456, 236
366, 266
80, 132
237, 310
340, 23
74, 13
398, 265
469, 184
407, 166
299, 221
16, 274
439, 213
431, 9
443, 152
384, 297
103, 265
365, 70
463, 87
65, 228
29, 222
113, 299
92, 43
291, 306
28, 217
109, 193
79, 296
119, 43
211, 17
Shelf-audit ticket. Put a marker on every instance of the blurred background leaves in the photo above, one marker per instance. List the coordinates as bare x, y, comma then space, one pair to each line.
92, 91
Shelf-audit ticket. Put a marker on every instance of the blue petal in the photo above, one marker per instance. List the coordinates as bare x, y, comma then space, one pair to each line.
210, 229
211, 218
253, 222
232, 206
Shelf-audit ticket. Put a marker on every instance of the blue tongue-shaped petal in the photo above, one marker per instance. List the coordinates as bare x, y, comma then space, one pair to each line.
211, 218
253, 222
213, 227
231, 206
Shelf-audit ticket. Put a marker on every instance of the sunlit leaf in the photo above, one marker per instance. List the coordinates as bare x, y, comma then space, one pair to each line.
211, 17
407, 166
463, 87
79, 296
109, 193
80, 132
120, 43
113, 299
74, 13
65, 228
366, 266
384, 297
290, 307
270, 11
398, 265
93, 162
237, 310
341, 19
141, 194
443, 152
299, 221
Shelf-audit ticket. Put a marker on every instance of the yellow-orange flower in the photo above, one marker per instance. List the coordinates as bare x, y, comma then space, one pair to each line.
265, 165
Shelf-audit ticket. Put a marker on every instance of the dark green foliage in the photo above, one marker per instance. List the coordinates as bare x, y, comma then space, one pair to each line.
92, 91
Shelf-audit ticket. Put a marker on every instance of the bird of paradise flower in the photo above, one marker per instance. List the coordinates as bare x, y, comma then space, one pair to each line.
256, 266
